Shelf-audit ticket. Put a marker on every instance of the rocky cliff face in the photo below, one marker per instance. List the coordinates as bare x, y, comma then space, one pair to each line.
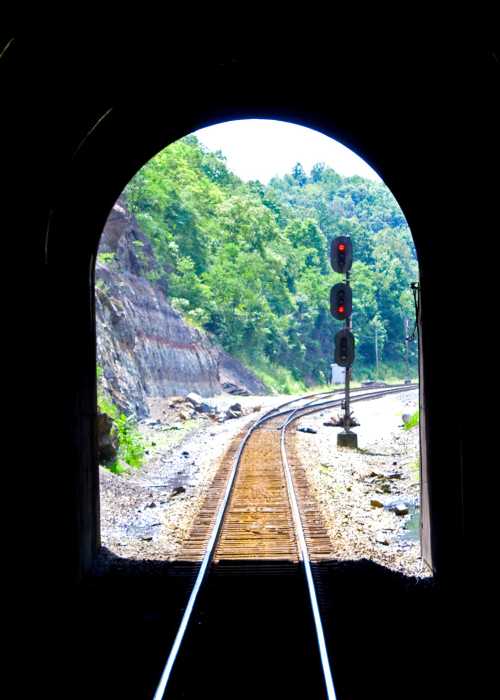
143, 345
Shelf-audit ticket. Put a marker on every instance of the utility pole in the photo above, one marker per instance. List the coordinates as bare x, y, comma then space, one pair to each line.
376, 353
407, 378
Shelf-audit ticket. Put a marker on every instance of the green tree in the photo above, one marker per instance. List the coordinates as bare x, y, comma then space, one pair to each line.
299, 175
249, 263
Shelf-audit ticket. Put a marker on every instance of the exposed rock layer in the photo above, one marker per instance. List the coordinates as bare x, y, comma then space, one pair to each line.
144, 346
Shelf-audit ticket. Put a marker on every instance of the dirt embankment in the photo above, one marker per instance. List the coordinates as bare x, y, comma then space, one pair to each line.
144, 346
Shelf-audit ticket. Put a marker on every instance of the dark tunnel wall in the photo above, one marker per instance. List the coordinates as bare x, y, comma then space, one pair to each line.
81, 118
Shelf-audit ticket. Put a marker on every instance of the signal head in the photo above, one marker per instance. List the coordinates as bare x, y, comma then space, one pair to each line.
341, 254
344, 348
341, 301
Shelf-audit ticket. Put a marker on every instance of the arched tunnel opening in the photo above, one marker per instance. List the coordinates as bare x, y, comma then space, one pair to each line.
196, 264
86, 141
158, 619
209, 285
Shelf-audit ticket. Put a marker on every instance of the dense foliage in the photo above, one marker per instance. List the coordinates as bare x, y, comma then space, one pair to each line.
249, 263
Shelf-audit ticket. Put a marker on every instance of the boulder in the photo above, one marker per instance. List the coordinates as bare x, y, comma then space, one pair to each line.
205, 408
231, 388
107, 439
194, 399
177, 491
400, 509
235, 378
176, 400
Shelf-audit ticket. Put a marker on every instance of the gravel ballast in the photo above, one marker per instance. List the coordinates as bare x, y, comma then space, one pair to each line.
369, 497
147, 513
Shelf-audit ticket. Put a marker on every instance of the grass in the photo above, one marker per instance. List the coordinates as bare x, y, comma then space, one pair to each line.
279, 380
394, 373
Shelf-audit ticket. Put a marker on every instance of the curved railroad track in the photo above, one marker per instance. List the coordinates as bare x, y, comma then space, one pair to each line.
259, 510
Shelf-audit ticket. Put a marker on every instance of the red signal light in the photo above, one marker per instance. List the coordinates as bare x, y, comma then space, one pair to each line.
340, 301
341, 254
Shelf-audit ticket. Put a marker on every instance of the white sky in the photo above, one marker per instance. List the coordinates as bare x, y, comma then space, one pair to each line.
259, 149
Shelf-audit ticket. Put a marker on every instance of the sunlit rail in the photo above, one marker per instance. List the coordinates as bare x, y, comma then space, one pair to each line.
306, 405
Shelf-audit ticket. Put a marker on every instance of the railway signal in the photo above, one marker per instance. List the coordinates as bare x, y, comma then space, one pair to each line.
344, 348
341, 301
341, 254
341, 309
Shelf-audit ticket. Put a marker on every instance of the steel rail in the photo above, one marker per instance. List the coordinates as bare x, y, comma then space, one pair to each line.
293, 416
272, 413
160, 690
380, 393
304, 553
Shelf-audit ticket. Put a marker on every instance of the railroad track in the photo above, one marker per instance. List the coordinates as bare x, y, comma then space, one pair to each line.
259, 517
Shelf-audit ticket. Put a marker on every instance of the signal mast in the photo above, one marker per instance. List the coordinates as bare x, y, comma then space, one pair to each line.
341, 309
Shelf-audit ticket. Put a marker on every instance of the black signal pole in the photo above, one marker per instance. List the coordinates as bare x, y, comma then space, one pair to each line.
347, 422
347, 438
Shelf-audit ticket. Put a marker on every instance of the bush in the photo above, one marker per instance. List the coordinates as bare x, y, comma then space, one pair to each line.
106, 258
131, 446
130, 443
413, 422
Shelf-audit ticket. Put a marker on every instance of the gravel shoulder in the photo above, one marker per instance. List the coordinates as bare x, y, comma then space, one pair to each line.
147, 514
361, 492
